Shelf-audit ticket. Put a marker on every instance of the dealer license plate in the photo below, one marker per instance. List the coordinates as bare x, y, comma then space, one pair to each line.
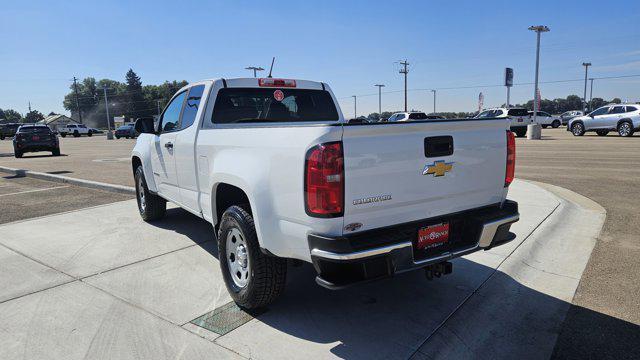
433, 236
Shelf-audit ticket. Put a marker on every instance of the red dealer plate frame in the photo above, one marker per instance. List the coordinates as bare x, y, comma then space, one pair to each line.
433, 236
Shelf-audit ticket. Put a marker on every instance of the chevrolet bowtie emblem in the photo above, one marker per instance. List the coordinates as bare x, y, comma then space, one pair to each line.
438, 168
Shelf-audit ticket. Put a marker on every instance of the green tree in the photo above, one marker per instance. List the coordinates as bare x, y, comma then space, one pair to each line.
136, 105
1, 114
12, 116
33, 116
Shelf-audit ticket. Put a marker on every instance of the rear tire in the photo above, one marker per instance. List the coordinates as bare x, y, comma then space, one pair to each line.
117, 137
521, 133
18, 154
577, 129
63, 134
602, 132
625, 129
55, 152
1, 137
555, 124
76, 134
544, 126
150, 206
89, 134
253, 278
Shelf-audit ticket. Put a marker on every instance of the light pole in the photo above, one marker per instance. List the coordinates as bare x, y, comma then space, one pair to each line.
434, 100
255, 69
591, 95
538, 29
586, 71
405, 71
380, 86
355, 107
106, 105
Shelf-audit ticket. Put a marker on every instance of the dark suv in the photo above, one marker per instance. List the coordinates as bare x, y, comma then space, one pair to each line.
8, 130
31, 138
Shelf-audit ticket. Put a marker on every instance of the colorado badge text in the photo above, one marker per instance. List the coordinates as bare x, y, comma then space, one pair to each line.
438, 168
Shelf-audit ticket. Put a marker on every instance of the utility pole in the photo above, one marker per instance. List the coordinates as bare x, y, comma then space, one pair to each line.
586, 70
355, 106
158, 103
434, 100
380, 86
29, 106
106, 105
538, 29
75, 90
591, 95
255, 69
405, 71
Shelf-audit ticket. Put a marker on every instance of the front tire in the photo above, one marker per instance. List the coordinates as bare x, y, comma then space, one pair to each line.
55, 152
63, 134
253, 279
90, 134
521, 133
625, 129
577, 129
150, 206
18, 154
555, 124
76, 134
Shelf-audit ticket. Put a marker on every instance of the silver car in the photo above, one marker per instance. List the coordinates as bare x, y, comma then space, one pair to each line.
568, 115
623, 118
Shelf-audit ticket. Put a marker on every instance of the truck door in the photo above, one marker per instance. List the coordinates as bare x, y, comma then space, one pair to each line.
184, 150
162, 155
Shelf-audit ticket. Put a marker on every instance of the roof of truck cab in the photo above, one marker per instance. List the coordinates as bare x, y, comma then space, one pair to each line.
253, 82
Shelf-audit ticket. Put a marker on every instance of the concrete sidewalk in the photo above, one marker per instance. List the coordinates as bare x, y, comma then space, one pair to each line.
122, 288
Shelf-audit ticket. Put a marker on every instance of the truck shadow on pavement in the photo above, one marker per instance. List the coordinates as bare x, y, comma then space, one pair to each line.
471, 313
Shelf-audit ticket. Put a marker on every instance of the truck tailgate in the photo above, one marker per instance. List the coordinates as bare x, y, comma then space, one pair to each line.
390, 178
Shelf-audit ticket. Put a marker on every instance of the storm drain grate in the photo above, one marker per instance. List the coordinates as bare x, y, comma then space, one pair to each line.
226, 318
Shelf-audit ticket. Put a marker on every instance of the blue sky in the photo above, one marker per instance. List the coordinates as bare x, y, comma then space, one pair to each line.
349, 44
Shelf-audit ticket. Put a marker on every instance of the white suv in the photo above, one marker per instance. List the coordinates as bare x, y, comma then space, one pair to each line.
623, 118
519, 118
545, 119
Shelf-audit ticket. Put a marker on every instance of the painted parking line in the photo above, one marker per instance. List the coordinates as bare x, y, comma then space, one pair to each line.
36, 190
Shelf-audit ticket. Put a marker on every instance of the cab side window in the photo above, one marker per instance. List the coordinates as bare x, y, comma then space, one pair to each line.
191, 106
171, 115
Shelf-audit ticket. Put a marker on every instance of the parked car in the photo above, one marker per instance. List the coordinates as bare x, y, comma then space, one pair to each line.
277, 170
96, 131
518, 117
568, 115
8, 130
412, 115
545, 119
74, 129
623, 118
126, 131
32, 138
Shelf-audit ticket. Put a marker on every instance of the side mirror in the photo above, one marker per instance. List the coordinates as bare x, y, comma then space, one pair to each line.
591, 116
145, 126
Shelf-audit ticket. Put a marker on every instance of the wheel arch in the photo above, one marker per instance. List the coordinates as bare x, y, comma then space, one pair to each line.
624, 120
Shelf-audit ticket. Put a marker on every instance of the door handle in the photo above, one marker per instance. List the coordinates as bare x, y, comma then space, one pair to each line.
168, 145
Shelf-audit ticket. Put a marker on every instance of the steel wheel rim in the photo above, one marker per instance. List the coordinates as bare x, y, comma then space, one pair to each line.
624, 129
238, 258
142, 201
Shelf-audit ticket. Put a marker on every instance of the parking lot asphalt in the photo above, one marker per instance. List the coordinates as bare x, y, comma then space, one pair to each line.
607, 170
90, 158
123, 288
24, 198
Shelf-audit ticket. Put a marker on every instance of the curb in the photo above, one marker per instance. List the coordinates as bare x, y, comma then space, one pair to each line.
121, 189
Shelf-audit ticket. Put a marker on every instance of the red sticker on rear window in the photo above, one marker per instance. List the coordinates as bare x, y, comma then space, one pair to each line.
278, 95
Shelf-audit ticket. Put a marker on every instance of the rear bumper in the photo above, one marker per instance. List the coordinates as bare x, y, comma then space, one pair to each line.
375, 254
33, 147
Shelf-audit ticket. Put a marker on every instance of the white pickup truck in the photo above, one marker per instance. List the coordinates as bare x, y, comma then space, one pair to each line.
76, 130
275, 168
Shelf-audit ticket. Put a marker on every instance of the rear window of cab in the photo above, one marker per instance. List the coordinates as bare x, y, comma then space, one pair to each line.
260, 105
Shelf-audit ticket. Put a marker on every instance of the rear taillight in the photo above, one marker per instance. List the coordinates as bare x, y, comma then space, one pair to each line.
324, 180
511, 159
